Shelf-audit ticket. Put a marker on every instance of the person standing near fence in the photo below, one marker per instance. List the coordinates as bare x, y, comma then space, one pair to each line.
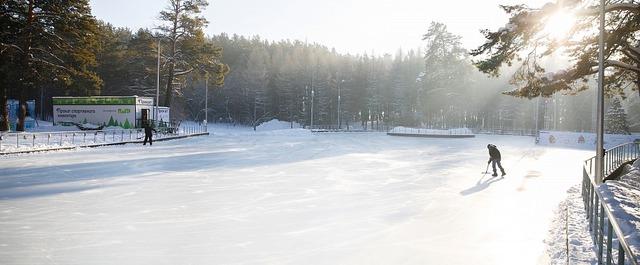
494, 158
148, 133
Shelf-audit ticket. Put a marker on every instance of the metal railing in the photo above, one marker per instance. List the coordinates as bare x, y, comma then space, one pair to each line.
602, 223
32, 141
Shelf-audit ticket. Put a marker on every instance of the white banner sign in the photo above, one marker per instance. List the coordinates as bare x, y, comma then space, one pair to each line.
108, 115
582, 140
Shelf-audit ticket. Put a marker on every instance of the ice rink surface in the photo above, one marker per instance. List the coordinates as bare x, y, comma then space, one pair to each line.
285, 197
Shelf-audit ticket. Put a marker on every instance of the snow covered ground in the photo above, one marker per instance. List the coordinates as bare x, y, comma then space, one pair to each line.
286, 197
623, 196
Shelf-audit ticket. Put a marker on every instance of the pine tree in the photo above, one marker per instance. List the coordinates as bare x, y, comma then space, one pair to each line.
49, 40
256, 90
616, 119
126, 124
446, 76
188, 49
523, 40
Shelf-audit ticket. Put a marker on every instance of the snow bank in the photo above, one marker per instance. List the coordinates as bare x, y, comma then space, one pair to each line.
623, 196
46, 126
276, 124
570, 229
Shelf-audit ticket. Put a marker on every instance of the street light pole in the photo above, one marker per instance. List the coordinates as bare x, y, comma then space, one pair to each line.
206, 100
600, 104
339, 87
155, 112
312, 95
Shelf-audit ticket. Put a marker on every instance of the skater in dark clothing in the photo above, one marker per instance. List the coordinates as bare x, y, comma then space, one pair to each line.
494, 158
148, 134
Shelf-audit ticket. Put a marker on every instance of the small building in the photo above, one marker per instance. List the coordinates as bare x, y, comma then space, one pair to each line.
124, 111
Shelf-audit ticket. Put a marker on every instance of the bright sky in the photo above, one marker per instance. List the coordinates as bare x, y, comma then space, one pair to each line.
354, 26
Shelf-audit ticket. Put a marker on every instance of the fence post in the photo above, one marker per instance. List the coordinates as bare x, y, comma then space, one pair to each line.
600, 234
609, 243
84, 138
620, 253
73, 138
17, 141
33, 141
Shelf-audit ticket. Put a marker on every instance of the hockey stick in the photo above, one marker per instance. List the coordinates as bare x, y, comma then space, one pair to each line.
486, 170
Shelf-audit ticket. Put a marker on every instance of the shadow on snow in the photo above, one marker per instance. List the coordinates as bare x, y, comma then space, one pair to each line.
481, 185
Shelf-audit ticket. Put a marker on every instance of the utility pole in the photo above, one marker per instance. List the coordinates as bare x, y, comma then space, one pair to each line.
339, 87
600, 112
206, 100
155, 112
537, 135
312, 95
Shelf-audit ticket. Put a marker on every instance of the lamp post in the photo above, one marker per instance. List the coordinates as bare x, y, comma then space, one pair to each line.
206, 101
312, 95
339, 87
155, 111
600, 104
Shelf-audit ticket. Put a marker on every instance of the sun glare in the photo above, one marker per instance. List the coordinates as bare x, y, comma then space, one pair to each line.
559, 25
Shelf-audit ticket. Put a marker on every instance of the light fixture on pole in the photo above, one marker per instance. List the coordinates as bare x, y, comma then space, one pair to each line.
339, 87
312, 95
599, 176
206, 99
155, 112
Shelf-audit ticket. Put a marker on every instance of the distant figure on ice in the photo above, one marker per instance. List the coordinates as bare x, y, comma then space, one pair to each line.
494, 158
148, 133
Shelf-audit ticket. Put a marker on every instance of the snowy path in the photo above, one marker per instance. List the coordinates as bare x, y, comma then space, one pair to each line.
284, 198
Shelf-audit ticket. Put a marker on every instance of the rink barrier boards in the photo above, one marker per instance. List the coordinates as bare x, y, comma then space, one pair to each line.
433, 135
54, 141
603, 225
430, 133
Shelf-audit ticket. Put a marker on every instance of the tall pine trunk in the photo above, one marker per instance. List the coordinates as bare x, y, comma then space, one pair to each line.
25, 84
22, 111
169, 89
4, 112
172, 56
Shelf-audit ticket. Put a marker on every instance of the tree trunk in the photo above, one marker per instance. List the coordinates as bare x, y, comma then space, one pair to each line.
172, 53
22, 111
169, 90
28, 79
4, 113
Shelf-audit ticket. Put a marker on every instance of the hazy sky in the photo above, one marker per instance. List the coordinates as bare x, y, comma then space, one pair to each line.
354, 26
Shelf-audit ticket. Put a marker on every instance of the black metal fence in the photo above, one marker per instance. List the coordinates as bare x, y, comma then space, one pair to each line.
42, 141
611, 245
